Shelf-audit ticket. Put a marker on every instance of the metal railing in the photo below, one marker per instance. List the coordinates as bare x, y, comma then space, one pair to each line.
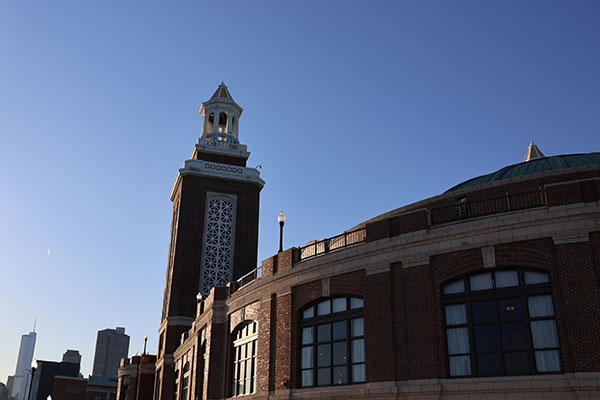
464, 208
247, 278
223, 140
223, 144
339, 242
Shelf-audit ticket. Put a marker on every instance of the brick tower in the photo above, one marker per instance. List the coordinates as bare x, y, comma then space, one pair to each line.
214, 229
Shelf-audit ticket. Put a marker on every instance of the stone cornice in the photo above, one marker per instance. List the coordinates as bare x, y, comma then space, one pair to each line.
209, 169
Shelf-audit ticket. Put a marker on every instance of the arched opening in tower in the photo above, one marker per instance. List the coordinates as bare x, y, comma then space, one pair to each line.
223, 122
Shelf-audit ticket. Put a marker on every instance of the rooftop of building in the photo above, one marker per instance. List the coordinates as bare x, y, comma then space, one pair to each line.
442, 208
532, 166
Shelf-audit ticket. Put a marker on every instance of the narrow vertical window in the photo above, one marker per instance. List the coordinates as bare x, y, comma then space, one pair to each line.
176, 383
186, 381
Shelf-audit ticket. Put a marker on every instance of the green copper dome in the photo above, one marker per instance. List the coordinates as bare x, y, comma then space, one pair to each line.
533, 166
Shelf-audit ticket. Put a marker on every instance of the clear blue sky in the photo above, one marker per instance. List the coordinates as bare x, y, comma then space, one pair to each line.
352, 108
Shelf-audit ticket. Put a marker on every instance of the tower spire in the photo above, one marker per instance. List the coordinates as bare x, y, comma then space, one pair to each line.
533, 153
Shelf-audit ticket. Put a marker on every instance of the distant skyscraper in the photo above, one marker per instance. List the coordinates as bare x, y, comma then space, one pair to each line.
111, 346
72, 356
20, 379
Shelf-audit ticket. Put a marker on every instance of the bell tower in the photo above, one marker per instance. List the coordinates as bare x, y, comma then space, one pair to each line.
214, 228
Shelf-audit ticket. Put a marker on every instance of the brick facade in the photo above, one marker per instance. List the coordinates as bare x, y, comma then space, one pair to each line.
399, 271
398, 264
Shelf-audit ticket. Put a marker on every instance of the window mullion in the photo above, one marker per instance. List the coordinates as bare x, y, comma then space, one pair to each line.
474, 363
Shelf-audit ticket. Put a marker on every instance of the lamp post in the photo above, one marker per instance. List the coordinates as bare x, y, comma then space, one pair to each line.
33, 368
145, 342
281, 220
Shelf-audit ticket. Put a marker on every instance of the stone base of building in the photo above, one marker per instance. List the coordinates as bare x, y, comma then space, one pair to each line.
584, 385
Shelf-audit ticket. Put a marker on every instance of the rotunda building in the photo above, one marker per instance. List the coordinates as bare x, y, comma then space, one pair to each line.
491, 288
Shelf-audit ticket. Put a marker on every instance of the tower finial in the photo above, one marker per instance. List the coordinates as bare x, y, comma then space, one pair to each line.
34, 324
533, 153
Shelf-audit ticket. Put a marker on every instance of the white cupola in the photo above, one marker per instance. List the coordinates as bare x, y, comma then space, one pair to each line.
220, 117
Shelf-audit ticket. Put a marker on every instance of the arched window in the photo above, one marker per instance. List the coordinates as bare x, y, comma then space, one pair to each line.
332, 343
186, 381
501, 323
244, 359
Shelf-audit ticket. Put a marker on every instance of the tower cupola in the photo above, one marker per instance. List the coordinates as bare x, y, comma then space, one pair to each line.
220, 117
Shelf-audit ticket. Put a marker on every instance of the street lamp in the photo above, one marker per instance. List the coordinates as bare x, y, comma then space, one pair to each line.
33, 368
145, 342
281, 220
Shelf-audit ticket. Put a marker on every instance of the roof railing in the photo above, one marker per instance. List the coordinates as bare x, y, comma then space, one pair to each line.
465, 208
247, 279
339, 242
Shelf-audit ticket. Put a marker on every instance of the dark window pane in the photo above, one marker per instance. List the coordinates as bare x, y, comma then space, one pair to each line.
486, 338
456, 314
484, 311
339, 330
544, 334
458, 340
455, 287
540, 306
547, 360
357, 326
339, 304
488, 365
510, 309
324, 307
307, 378
340, 353
358, 373
513, 336
324, 355
340, 375
506, 279
356, 303
324, 333
481, 282
308, 335
309, 313
516, 363
460, 365
358, 351
324, 376
306, 360
532, 278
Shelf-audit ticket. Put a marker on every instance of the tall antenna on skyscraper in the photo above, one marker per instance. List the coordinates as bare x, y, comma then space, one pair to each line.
34, 324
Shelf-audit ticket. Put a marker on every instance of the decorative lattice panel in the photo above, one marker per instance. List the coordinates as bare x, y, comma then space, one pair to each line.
218, 245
